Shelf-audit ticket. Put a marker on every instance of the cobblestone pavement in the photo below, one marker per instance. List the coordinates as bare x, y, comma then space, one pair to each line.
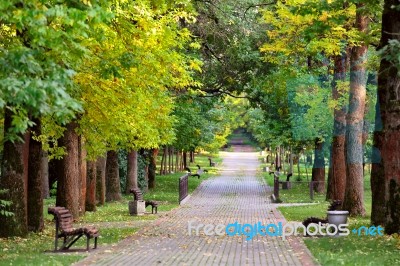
236, 195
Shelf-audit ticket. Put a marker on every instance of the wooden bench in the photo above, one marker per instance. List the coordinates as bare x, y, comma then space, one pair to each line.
64, 229
199, 171
286, 184
137, 195
212, 164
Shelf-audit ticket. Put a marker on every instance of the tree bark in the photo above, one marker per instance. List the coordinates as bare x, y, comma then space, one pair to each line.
318, 170
354, 193
162, 164
82, 177
170, 160
113, 187
165, 170
13, 180
278, 165
35, 181
101, 180
90, 194
184, 157
152, 168
385, 176
177, 161
291, 161
191, 156
337, 175
68, 190
298, 167
45, 175
132, 173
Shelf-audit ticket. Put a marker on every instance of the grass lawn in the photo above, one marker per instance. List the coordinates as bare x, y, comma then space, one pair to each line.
346, 250
31, 250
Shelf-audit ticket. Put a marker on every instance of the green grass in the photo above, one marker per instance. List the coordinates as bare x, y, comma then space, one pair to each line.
299, 213
31, 250
346, 250
355, 250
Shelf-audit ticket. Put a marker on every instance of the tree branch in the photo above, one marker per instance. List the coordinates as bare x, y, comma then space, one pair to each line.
212, 52
216, 93
257, 5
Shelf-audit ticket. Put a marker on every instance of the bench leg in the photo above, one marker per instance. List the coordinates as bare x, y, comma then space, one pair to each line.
64, 243
68, 242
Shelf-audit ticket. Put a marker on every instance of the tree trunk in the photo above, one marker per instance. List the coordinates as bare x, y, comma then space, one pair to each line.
101, 180
181, 161
170, 160
91, 186
337, 176
385, 176
162, 162
68, 190
132, 173
45, 175
191, 156
13, 180
278, 159
165, 169
82, 177
35, 181
354, 194
298, 167
318, 170
113, 187
184, 156
152, 168
306, 165
291, 161
177, 161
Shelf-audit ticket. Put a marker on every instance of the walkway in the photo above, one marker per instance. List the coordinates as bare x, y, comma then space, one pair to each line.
236, 195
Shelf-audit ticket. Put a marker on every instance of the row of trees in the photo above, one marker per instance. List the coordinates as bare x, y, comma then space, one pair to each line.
315, 45
333, 83
81, 80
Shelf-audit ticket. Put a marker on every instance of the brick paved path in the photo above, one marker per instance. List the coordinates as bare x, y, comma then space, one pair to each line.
236, 195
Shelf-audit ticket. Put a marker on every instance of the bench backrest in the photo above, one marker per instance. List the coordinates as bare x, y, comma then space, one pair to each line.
64, 218
137, 194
